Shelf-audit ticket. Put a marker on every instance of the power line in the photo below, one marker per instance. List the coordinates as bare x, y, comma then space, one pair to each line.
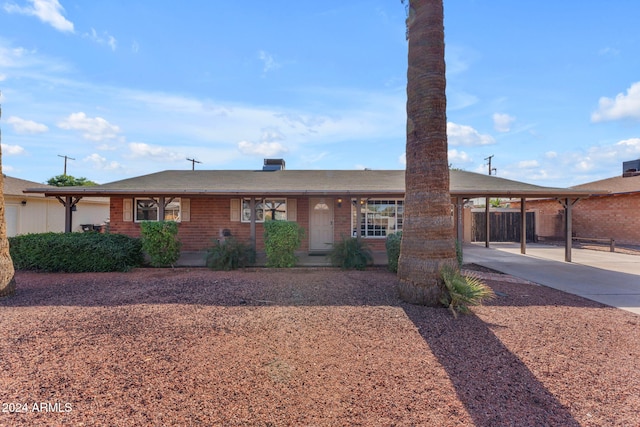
193, 163
494, 170
65, 162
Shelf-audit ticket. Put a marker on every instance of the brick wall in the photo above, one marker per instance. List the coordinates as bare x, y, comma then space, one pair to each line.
211, 215
609, 217
616, 217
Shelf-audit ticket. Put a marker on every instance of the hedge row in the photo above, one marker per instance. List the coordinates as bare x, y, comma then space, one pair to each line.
75, 252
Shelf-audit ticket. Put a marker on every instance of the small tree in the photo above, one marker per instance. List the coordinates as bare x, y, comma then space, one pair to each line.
160, 242
281, 239
69, 181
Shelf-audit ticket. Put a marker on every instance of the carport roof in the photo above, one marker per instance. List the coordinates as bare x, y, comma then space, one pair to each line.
303, 182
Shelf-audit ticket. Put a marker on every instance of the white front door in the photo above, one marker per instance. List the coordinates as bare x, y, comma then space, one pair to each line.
320, 224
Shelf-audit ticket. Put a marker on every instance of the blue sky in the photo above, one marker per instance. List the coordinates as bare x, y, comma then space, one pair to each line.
551, 89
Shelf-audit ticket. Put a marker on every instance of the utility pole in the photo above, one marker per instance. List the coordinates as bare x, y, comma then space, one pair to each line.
65, 162
494, 170
193, 163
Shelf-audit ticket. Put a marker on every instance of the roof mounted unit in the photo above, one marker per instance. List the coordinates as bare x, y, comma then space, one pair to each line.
273, 165
630, 168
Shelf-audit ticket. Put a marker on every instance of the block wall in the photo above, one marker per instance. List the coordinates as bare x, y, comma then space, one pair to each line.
609, 217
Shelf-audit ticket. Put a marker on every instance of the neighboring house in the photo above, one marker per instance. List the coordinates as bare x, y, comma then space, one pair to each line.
329, 204
35, 213
612, 214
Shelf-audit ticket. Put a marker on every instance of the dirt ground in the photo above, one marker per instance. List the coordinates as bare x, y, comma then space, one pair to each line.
312, 347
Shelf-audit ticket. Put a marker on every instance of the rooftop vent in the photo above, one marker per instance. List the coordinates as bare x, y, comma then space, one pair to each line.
630, 168
273, 165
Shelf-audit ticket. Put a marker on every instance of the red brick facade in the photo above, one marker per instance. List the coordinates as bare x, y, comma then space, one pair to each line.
210, 215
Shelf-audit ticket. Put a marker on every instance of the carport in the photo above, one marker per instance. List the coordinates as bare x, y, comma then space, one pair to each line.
489, 186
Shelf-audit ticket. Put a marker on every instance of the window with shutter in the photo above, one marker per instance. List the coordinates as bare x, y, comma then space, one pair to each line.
127, 210
235, 210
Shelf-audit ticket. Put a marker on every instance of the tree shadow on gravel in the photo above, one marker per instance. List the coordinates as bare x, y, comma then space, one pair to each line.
494, 385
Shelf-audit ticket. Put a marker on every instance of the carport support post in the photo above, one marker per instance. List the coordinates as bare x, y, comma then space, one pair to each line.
69, 203
487, 227
68, 214
523, 226
568, 236
161, 206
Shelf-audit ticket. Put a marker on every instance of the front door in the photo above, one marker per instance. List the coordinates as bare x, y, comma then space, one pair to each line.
320, 224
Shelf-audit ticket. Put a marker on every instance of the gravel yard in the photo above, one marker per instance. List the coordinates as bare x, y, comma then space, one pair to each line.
311, 347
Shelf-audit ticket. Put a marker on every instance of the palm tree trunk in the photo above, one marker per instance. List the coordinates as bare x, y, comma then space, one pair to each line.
7, 280
427, 235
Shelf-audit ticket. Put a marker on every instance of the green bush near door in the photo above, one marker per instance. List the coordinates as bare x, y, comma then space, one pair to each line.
281, 240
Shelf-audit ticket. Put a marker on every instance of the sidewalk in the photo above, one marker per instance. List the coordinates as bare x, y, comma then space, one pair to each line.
609, 278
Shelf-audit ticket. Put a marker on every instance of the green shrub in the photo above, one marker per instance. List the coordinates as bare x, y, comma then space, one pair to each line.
230, 254
160, 242
393, 250
75, 252
460, 292
351, 253
281, 239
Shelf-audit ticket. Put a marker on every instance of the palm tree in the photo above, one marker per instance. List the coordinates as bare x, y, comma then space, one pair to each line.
427, 238
7, 280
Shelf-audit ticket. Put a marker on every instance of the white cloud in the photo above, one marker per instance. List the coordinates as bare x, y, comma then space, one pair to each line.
528, 164
12, 149
26, 126
582, 166
403, 159
103, 39
3, 77
502, 122
609, 51
269, 63
48, 11
272, 135
153, 152
458, 156
102, 163
622, 107
266, 149
466, 135
95, 129
628, 148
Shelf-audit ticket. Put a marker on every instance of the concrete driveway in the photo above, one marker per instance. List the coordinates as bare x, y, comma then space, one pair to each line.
609, 278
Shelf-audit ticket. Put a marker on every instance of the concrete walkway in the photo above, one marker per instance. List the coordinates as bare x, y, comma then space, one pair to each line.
609, 278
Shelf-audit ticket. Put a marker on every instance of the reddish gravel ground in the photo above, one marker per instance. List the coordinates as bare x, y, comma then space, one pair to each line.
310, 347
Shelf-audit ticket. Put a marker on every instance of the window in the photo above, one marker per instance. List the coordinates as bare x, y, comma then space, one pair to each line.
148, 209
378, 218
265, 209
172, 209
